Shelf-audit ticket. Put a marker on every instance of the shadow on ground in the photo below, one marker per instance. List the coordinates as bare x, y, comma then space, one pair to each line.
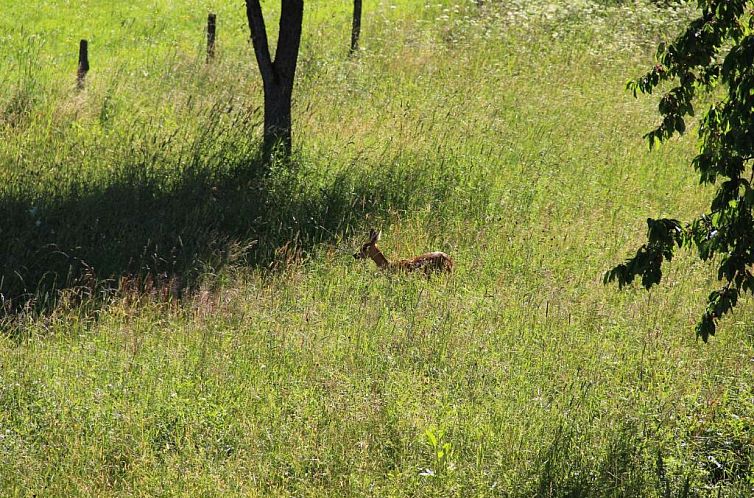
143, 230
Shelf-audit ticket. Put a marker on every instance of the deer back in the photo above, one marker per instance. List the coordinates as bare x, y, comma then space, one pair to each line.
429, 262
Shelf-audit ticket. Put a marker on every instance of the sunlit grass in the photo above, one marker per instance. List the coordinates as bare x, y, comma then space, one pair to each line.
261, 359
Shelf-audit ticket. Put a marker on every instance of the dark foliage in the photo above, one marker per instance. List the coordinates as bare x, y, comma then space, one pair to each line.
715, 51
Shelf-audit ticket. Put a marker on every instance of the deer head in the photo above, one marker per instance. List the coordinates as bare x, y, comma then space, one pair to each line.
368, 248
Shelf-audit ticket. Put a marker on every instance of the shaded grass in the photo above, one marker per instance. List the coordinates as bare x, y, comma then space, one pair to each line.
138, 226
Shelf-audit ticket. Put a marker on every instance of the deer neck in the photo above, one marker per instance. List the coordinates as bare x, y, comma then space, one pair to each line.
378, 257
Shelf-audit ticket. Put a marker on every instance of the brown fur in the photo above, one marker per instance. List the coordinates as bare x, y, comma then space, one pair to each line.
429, 262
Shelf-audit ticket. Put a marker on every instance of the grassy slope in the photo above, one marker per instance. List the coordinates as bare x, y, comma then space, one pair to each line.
514, 149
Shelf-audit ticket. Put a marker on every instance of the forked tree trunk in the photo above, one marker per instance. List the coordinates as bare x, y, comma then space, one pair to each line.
277, 75
356, 26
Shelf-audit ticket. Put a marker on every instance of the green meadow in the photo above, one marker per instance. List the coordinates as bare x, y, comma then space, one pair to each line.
179, 319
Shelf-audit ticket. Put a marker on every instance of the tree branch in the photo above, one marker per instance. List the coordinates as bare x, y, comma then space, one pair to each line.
289, 38
259, 40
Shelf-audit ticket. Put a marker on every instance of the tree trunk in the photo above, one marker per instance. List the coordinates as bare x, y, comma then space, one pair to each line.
277, 75
277, 119
355, 27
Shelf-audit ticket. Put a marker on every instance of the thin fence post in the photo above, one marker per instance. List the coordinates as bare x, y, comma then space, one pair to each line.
83, 64
211, 27
355, 27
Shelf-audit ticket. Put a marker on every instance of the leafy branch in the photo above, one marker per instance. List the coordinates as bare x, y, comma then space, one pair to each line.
715, 50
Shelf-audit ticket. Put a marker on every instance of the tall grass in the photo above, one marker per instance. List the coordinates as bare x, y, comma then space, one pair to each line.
180, 321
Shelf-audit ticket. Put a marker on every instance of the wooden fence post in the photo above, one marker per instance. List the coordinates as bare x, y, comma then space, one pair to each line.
355, 27
83, 64
211, 27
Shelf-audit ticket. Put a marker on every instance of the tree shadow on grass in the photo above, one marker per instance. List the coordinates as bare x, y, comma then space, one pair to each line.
162, 233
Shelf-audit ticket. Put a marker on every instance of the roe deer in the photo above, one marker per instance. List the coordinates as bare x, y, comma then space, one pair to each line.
431, 261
